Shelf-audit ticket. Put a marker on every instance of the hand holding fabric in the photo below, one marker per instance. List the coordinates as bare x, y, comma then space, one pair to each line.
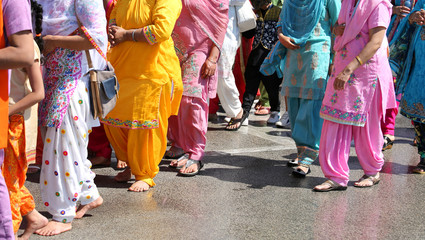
288, 42
417, 17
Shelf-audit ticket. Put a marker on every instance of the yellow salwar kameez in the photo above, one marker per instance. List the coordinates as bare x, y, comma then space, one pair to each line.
150, 85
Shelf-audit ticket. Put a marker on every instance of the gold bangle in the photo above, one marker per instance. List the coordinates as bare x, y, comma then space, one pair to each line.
359, 60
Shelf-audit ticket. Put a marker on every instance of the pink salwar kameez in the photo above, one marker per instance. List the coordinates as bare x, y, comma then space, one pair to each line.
357, 110
201, 25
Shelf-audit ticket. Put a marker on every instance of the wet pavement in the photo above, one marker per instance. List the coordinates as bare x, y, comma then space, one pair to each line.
245, 191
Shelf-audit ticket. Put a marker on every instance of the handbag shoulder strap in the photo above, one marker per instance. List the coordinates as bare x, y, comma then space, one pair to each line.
92, 41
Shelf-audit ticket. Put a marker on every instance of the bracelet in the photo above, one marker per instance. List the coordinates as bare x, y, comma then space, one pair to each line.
132, 35
359, 60
211, 61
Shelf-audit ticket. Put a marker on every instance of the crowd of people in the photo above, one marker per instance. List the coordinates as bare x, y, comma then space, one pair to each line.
343, 67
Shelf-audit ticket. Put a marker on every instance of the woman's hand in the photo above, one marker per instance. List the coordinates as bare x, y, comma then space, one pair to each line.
401, 11
208, 68
116, 35
49, 44
417, 17
287, 42
339, 29
342, 79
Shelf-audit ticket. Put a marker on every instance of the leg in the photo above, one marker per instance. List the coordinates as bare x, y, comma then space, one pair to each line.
306, 130
334, 151
66, 176
420, 136
271, 84
118, 137
147, 146
99, 144
6, 226
369, 140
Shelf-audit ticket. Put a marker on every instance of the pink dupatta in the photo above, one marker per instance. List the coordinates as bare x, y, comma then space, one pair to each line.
355, 23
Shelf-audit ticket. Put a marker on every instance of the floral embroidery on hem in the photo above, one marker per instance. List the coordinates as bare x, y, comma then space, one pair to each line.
335, 115
135, 124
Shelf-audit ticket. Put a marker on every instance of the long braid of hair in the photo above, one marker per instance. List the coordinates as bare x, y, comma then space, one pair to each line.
37, 14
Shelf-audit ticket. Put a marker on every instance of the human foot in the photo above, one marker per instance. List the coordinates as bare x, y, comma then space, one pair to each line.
301, 170
180, 162
367, 181
35, 221
54, 228
100, 161
329, 185
191, 168
121, 164
174, 152
236, 122
123, 176
82, 209
139, 186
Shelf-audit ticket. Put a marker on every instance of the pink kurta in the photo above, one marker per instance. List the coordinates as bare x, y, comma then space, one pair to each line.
351, 105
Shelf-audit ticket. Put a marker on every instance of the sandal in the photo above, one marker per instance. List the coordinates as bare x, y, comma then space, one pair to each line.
374, 179
332, 186
262, 111
388, 143
180, 159
300, 173
420, 168
189, 163
234, 121
292, 163
174, 154
33, 168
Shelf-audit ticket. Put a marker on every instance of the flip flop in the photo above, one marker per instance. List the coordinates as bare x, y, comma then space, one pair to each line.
375, 180
184, 157
234, 121
189, 163
333, 186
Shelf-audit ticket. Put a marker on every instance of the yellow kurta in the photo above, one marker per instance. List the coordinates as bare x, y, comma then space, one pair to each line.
143, 68
150, 85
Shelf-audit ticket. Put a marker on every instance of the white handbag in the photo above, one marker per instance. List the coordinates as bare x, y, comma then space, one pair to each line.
246, 17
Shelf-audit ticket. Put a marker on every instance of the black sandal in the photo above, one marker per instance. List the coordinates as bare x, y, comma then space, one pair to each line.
234, 121
300, 173
333, 186
388, 143
292, 163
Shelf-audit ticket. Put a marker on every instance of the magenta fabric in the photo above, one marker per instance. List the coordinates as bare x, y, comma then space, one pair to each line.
351, 105
188, 129
388, 123
336, 139
17, 16
6, 226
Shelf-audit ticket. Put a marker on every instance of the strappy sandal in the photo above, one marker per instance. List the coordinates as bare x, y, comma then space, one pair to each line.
332, 186
388, 143
234, 121
374, 179
170, 154
178, 160
189, 163
300, 173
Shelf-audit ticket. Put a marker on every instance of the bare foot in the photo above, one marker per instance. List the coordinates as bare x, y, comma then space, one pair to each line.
54, 228
35, 221
100, 161
121, 164
82, 209
139, 186
123, 176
